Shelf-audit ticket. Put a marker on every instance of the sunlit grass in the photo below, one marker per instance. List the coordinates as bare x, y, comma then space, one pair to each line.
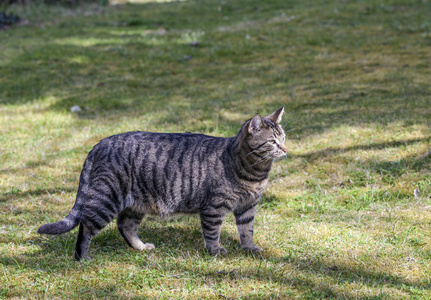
339, 219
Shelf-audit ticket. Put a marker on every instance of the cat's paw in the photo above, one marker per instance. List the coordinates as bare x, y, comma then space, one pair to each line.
148, 246
77, 258
252, 248
217, 250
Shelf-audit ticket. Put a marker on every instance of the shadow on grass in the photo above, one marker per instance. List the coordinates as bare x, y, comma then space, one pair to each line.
119, 65
48, 158
314, 155
17, 194
55, 257
390, 170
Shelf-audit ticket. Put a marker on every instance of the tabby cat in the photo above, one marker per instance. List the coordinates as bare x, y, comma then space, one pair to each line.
129, 175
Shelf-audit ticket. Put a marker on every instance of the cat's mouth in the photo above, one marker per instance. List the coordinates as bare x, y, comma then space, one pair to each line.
280, 154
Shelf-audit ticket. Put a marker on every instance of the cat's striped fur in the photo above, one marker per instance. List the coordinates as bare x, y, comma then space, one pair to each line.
129, 175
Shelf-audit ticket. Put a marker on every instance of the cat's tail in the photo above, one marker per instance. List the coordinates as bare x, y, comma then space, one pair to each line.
73, 218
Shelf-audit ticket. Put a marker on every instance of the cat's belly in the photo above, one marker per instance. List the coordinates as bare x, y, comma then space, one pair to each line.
166, 209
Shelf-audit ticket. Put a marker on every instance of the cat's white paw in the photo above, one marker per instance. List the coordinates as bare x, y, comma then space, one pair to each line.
222, 251
217, 250
141, 246
148, 246
252, 248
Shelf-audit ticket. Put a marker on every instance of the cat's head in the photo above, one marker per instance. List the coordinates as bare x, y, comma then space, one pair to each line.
266, 136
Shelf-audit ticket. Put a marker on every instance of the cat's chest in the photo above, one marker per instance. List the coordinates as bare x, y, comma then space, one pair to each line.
250, 190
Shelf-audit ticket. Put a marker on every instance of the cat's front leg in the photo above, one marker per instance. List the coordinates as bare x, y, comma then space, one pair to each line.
244, 222
211, 226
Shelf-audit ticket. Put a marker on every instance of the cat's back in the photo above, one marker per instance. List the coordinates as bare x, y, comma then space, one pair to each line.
157, 146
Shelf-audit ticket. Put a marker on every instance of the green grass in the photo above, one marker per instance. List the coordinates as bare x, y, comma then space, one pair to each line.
339, 219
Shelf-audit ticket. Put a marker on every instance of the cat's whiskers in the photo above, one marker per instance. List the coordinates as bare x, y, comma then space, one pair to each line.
285, 126
250, 153
263, 159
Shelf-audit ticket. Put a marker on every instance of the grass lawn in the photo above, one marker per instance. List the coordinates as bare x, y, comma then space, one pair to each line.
339, 219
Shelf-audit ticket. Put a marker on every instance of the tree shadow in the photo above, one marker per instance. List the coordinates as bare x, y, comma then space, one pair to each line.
100, 75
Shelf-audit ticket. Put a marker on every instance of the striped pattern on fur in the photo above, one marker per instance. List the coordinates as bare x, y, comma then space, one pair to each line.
133, 174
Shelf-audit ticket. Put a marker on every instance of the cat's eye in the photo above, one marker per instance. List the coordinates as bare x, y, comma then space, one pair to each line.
272, 142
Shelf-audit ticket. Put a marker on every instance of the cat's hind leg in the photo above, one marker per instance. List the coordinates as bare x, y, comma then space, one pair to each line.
85, 236
92, 221
128, 224
88, 228
99, 210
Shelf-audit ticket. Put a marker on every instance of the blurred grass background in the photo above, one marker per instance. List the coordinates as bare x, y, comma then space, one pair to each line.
339, 219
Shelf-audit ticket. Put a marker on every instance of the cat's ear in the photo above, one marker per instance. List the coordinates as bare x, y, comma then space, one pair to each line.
276, 116
255, 124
